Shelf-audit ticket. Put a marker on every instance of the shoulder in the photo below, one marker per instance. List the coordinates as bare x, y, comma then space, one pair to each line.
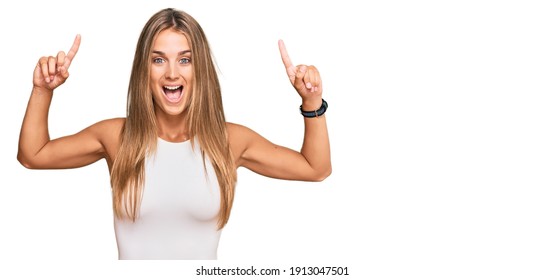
243, 140
108, 128
234, 129
108, 132
239, 138
115, 123
238, 134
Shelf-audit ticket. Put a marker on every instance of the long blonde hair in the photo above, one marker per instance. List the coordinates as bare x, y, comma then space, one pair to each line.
206, 119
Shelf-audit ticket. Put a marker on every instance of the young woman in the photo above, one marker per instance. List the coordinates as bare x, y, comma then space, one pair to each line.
173, 159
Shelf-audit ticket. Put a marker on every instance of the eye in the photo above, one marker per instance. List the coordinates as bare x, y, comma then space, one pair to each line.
185, 60
158, 60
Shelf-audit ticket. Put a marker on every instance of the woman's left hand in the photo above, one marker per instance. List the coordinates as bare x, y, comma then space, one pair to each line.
305, 79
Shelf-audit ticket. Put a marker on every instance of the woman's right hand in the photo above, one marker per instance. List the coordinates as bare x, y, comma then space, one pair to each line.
51, 72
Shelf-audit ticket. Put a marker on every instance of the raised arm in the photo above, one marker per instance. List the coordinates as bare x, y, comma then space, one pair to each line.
36, 150
313, 162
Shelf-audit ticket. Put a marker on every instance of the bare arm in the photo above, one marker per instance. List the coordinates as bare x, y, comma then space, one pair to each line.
36, 150
313, 162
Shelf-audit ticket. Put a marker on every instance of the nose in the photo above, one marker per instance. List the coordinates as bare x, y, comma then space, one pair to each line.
172, 72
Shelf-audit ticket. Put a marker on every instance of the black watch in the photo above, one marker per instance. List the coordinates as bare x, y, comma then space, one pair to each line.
316, 113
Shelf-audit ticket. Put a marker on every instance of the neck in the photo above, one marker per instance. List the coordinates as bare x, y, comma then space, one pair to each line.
172, 128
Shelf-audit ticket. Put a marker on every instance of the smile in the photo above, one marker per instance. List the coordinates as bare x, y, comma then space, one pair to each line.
173, 93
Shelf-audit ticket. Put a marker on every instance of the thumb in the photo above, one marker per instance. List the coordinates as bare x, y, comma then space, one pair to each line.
63, 72
299, 82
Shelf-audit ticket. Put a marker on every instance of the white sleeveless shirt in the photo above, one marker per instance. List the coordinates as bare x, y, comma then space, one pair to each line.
179, 209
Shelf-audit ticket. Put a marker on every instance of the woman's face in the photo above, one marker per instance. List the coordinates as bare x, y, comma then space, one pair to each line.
171, 72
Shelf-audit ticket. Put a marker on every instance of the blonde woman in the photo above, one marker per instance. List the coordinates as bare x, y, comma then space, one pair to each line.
173, 159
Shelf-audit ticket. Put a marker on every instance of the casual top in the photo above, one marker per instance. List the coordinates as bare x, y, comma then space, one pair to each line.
179, 209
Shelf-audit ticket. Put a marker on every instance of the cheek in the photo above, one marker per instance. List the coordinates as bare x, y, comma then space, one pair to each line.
154, 76
187, 73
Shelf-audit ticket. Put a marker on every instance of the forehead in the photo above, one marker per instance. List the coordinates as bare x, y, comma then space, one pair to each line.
171, 39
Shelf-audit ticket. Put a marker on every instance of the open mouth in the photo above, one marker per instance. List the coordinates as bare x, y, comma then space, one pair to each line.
173, 93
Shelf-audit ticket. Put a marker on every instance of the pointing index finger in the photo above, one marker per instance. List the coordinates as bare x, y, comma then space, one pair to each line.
73, 51
285, 56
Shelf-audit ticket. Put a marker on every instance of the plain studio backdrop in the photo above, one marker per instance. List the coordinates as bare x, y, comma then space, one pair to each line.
435, 122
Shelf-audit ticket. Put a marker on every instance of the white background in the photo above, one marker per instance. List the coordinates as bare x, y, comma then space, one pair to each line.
435, 119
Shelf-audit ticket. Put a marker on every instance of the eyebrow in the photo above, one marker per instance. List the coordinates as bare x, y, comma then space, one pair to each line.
180, 53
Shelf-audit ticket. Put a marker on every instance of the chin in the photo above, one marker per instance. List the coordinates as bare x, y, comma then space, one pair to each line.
175, 110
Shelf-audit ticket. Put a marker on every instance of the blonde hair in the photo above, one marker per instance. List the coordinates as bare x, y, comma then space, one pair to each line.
206, 119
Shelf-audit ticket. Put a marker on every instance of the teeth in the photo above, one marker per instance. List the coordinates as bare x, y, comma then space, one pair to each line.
172, 87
